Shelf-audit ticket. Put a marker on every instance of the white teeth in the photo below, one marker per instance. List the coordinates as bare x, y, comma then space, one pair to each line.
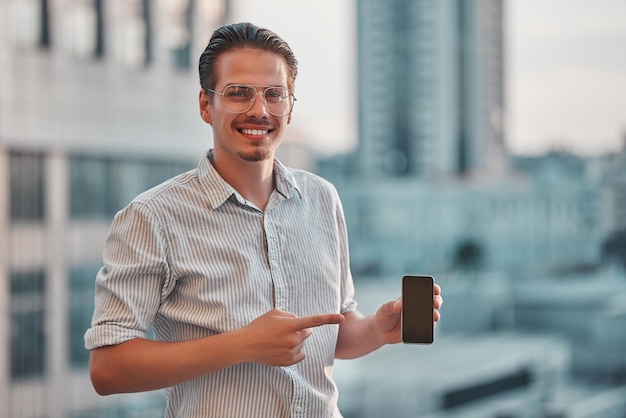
254, 132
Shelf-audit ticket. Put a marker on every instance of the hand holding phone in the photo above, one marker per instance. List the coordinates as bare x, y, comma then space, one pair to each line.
417, 309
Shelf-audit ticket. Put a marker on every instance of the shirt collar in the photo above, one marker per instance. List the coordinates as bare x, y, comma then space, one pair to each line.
218, 190
285, 181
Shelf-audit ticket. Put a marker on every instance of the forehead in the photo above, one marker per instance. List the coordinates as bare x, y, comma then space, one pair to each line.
251, 66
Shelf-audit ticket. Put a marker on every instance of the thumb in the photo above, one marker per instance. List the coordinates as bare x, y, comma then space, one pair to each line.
391, 308
397, 305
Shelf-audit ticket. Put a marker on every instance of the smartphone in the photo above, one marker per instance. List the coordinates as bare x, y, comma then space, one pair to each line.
417, 319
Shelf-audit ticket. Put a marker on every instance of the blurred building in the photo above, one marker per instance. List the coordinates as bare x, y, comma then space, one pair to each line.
431, 87
611, 170
412, 225
96, 105
431, 186
589, 311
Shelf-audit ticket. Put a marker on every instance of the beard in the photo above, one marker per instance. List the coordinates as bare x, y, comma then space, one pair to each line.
255, 156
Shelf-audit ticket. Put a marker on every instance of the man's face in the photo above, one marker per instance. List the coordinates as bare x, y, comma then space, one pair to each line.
254, 134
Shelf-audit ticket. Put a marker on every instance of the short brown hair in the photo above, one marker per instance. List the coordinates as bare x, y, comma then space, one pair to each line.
243, 35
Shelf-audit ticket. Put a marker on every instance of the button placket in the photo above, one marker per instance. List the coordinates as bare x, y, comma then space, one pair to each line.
274, 259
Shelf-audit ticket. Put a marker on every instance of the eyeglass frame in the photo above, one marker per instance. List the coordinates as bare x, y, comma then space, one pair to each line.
292, 98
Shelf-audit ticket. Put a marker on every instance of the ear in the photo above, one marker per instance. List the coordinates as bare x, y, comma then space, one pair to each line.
289, 118
204, 101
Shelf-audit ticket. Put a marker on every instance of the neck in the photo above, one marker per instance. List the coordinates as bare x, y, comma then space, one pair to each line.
253, 180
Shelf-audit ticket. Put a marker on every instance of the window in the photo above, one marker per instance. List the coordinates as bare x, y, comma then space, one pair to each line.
89, 196
178, 32
99, 47
29, 22
82, 279
84, 28
100, 186
132, 32
28, 343
27, 186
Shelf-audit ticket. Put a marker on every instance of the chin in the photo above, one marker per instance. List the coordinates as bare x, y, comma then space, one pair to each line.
255, 156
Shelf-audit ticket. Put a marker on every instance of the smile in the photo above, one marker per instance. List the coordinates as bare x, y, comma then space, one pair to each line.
254, 131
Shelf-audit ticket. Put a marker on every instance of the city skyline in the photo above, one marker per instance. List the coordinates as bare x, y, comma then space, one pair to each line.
564, 59
530, 263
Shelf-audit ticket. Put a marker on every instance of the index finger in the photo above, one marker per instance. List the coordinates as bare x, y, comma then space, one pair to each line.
317, 320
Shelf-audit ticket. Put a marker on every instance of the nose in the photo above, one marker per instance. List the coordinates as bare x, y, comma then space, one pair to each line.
258, 108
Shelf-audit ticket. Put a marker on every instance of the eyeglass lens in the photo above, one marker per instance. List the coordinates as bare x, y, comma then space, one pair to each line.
239, 98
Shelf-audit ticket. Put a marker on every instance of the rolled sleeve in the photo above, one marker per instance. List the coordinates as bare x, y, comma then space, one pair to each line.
129, 285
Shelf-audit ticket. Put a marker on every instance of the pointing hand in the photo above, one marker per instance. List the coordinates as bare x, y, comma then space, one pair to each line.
277, 338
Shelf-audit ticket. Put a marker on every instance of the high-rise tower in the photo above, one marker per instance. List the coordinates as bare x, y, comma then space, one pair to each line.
431, 87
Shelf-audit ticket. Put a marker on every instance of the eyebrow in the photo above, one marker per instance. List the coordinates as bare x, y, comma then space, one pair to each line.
255, 85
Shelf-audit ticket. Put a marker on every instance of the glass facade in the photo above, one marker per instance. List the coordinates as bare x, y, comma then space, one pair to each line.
27, 190
28, 328
100, 186
81, 279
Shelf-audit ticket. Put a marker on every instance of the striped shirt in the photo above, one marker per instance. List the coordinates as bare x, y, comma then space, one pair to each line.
191, 258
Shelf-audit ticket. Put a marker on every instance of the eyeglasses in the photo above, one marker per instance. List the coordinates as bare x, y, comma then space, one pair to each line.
238, 98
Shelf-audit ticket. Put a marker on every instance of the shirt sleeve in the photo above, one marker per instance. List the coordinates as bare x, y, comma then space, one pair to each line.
129, 285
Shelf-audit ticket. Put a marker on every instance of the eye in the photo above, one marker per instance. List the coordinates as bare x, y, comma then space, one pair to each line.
276, 95
239, 93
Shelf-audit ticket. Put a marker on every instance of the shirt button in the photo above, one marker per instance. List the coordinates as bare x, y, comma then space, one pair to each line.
297, 408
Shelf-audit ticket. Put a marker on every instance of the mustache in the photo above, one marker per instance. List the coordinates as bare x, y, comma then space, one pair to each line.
255, 122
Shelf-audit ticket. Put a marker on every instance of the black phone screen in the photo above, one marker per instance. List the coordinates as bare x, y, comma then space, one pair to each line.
417, 309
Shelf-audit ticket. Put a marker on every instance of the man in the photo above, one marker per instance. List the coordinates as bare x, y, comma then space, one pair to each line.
240, 266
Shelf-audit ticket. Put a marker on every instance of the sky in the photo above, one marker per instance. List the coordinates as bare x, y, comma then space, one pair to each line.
566, 75
565, 71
